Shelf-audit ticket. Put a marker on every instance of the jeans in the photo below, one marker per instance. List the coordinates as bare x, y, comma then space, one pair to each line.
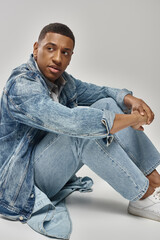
124, 164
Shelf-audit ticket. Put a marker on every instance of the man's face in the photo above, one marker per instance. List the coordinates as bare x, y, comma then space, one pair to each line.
53, 55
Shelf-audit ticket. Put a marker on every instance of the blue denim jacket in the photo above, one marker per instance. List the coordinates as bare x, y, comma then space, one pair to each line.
27, 111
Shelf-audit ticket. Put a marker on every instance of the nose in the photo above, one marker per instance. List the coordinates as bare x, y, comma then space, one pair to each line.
57, 57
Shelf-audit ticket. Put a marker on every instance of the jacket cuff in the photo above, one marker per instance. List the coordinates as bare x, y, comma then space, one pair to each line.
120, 99
107, 120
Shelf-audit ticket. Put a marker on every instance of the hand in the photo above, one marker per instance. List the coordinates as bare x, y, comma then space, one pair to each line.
141, 120
136, 104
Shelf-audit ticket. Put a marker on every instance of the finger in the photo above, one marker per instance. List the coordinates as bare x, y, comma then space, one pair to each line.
141, 128
141, 110
151, 119
150, 114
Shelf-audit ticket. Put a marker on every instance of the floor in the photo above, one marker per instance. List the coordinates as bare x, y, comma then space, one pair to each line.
101, 214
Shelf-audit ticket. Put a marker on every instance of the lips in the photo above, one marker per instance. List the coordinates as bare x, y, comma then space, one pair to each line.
54, 69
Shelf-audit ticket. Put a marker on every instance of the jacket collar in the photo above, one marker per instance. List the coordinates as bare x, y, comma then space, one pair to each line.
32, 64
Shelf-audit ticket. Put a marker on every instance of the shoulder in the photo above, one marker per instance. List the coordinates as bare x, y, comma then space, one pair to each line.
23, 80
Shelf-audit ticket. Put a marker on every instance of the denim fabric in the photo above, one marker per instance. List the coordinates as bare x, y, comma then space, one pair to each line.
50, 217
27, 113
123, 164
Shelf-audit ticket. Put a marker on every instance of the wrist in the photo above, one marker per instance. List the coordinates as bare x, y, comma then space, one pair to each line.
135, 117
128, 100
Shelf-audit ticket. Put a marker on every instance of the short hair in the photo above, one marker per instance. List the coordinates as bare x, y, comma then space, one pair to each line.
56, 28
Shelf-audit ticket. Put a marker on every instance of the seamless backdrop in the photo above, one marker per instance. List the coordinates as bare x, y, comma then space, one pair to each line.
117, 44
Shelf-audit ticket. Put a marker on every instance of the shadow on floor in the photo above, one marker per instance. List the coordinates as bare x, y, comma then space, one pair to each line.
97, 204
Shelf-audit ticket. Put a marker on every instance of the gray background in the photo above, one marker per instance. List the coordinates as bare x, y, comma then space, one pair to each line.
117, 44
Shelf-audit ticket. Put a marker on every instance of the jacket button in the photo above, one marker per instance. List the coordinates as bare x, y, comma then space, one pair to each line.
20, 218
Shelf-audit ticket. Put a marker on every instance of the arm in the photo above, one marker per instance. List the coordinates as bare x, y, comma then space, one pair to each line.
30, 104
135, 120
141, 114
88, 93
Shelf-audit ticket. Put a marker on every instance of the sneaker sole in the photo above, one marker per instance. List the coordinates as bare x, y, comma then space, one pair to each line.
142, 213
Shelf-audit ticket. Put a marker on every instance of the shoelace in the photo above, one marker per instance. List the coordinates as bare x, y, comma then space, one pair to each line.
156, 193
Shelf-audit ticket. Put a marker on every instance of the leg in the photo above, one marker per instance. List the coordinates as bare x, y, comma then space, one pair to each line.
114, 166
54, 167
58, 157
154, 182
142, 152
135, 143
154, 179
56, 161
138, 147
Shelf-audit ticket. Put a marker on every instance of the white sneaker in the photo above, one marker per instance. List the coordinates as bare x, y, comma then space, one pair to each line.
148, 207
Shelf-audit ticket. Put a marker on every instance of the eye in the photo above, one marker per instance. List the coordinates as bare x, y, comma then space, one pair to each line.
50, 49
65, 53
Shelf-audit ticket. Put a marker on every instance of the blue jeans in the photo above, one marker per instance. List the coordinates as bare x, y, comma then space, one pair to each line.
124, 164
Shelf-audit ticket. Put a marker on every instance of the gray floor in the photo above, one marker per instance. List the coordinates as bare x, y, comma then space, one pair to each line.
101, 214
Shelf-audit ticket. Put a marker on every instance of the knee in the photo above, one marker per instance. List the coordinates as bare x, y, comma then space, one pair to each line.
108, 104
101, 103
109, 101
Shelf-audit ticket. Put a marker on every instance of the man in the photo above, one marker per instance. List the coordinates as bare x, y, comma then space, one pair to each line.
46, 138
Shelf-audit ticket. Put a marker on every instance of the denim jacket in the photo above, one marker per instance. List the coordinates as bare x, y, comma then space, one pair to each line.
27, 111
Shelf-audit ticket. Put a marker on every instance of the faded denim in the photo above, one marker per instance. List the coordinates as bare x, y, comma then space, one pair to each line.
28, 113
50, 217
123, 164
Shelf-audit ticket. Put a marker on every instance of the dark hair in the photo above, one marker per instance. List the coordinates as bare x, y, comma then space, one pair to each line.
56, 28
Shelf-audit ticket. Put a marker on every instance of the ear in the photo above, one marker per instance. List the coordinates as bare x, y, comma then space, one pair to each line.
35, 50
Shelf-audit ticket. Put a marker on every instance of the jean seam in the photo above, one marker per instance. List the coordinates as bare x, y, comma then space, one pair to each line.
117, 164
130, 154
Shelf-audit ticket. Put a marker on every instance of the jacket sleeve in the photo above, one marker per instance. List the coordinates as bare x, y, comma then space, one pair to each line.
89, 93
30, 104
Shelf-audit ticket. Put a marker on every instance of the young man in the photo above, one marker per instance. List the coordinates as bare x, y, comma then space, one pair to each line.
45, 138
